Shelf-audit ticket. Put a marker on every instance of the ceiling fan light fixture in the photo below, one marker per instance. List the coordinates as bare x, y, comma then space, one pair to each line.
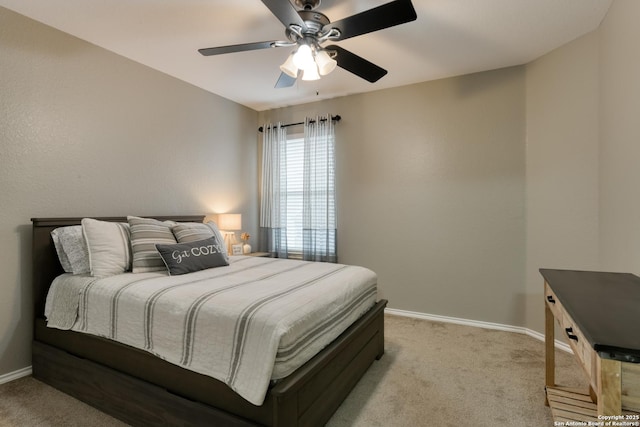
311, 73
289, 67
326, 64
303, 58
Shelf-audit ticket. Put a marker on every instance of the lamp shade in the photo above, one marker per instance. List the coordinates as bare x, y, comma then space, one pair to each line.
303, 58
326, 64
230, 222
311, 73
289, 68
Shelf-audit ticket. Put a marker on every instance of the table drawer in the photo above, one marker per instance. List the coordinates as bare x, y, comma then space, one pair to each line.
553, 303
580, 346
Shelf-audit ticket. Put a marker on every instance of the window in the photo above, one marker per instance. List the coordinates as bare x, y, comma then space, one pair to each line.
297, 207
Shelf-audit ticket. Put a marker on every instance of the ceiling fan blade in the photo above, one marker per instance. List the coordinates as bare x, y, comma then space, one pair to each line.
357, 65
385, 16
285, 12
236, 48
285, 80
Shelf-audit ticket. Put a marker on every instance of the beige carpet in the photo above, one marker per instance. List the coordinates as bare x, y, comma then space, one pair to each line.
432, 374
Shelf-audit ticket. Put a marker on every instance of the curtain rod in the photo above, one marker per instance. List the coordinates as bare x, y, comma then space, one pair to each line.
335, 118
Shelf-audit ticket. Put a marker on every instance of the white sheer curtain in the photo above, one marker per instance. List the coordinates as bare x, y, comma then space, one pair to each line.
319, 198
273, 195
317, 224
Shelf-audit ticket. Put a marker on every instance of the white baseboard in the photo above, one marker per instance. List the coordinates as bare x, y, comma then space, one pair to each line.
478, 324
24, 372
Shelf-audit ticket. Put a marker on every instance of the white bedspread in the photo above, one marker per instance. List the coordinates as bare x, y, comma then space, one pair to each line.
255, 320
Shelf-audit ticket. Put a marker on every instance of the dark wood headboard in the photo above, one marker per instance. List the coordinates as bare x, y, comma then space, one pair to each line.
45, 260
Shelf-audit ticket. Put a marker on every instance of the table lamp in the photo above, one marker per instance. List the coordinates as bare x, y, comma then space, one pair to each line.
228, 225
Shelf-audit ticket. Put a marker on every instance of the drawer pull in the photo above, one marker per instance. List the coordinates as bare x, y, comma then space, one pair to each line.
550, 299
570, 334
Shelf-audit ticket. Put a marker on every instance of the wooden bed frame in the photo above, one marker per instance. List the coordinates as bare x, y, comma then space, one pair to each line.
141, 389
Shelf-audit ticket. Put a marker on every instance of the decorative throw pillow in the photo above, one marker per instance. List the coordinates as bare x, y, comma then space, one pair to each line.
183, 258
192, 231
108, 246
145, 234
72, 249
62, 257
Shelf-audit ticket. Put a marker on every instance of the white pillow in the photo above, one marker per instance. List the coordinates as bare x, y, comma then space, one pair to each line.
108, 245
72, 249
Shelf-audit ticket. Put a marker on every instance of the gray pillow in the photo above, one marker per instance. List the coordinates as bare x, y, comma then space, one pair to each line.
186, 232
145, 234
183, 258
72, 249
62, 257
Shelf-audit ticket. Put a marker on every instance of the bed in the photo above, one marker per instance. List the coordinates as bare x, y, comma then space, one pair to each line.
142, 389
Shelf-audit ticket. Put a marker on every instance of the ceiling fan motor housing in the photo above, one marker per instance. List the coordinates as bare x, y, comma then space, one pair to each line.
314, 22
307, 4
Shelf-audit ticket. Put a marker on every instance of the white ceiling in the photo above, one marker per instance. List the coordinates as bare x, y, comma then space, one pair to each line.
450, 37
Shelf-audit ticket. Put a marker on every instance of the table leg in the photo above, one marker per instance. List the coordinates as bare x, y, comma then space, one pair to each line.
609, 387
549, 349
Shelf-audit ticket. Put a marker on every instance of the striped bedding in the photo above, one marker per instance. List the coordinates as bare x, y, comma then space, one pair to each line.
255, 320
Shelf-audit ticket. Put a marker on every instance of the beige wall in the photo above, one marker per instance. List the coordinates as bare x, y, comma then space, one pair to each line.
562, 166
620, 138
583, 154
85, 132
431, 191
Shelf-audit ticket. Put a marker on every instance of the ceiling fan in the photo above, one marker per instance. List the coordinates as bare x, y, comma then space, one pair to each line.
308, 30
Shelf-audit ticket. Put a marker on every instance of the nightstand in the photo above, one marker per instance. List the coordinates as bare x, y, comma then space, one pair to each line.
259, 254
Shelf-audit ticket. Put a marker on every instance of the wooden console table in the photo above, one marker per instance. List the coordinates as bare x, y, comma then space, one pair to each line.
600, 314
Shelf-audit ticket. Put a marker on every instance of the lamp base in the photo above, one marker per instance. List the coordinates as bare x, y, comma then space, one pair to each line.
229, 240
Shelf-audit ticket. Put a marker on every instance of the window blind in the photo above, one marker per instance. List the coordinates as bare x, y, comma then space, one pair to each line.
295, 175
323, 180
